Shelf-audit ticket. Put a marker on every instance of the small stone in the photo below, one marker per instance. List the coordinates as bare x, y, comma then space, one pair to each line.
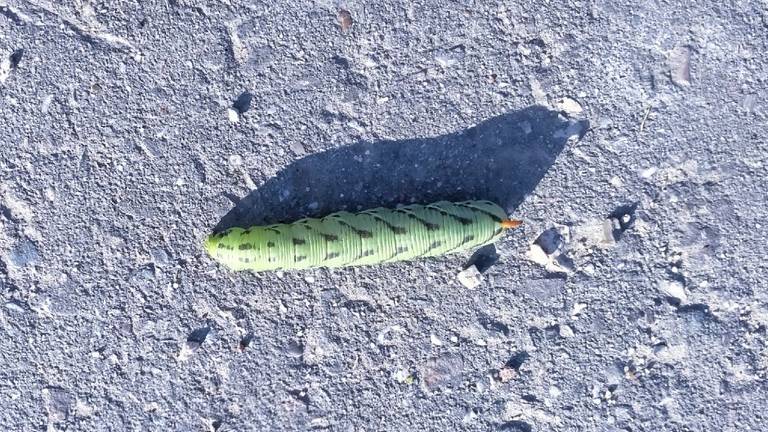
609, 226
82, 409
537, 255
471, 277
345, 20
507, 374
675, 290
679, 63
390, 335
233, 115
616, 182
435, 340
442, 372
538, 93
297, 148
58, 403
46, 105
570, 106
159, 257
403, 376
319, 423
469, 416
578, 308
648, 172
294, 349
187, 350
14, 306
450, 57
565, 331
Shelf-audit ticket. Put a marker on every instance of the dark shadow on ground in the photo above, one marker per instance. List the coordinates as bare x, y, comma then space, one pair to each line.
501, 160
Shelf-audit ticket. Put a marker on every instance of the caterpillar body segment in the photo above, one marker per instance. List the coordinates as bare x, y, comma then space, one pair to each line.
365, 238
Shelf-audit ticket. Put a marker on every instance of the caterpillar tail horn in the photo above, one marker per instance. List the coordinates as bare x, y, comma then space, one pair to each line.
511, 223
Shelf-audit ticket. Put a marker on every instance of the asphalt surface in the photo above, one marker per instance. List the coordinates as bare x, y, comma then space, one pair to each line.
630, 138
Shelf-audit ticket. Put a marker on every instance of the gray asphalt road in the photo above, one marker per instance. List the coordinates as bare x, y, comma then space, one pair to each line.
630, 137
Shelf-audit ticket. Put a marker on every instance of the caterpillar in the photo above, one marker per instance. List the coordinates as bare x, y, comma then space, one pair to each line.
369, 237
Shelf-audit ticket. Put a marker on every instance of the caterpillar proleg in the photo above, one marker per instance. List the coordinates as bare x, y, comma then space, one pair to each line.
369, 237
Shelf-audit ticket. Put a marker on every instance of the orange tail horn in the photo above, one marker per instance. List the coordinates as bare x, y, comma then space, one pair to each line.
511, 223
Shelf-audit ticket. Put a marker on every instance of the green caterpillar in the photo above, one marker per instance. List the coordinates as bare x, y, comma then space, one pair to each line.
369, 237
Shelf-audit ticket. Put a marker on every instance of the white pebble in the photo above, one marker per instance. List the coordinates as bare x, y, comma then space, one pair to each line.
570, 106
46, 105
471, 278
235, 161
435, 340
648, 172
679, 63
674, 289
578, 308
233, 115
537, 255
566, 331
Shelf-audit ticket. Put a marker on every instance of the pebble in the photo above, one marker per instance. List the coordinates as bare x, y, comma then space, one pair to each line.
471, 277
345, 20
233, 115
14, 307
82, 409
679, 63
469, 416
390, 335
674, 289
648, 172
441, 372
46, 104
570, 106
403, 376
537, 255
578, 308
435, 340
187, 350
294, 349
538, 93
565, 331
549, 250
507, 374
58, 403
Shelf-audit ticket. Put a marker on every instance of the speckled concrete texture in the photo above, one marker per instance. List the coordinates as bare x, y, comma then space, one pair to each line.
629, 136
